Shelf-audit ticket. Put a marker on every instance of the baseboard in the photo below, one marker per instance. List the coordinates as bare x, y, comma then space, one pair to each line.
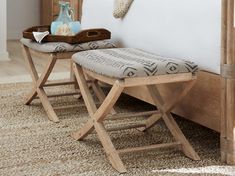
14, 35
4, 56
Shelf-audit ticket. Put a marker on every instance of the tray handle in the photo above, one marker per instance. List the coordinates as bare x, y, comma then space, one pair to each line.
93, 33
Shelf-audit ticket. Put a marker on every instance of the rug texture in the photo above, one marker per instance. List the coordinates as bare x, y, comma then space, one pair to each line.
32, 145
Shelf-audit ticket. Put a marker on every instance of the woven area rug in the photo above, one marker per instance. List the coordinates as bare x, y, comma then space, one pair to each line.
32, 145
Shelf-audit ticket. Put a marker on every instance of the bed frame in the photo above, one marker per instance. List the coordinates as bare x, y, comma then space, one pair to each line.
211, 102
227, 131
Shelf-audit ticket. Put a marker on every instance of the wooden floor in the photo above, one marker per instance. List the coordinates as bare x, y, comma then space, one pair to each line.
17, 67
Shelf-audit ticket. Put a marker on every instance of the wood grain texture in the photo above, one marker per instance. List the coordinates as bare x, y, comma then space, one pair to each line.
98, 115
201, 105
228, 84
224, 26
170, 122
39, 82
151, 147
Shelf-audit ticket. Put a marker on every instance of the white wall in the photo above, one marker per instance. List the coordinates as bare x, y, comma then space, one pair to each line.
3, 51
176, 28
21, 14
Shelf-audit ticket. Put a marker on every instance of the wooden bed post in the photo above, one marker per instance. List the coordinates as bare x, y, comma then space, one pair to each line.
80, 3
228, 83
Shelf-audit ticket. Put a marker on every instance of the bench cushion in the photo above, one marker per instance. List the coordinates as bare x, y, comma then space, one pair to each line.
55, 47
129, 62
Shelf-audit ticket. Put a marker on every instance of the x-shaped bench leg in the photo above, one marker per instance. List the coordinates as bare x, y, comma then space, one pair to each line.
39, 82
97, 117
169, 120
174, 99
98, 91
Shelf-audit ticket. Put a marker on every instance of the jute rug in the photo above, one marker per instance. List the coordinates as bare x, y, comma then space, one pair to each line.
32, 145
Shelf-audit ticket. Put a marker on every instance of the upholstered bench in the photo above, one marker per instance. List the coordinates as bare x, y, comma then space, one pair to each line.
61, 47
128, 68
50, 52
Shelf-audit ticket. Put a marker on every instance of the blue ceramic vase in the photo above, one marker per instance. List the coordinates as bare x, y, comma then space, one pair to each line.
65, 24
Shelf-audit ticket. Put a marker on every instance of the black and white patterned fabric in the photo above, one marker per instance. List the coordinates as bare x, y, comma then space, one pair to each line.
129, 62
55, 47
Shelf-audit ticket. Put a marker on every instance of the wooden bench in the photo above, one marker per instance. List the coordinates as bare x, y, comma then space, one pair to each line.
124, 68
51, 52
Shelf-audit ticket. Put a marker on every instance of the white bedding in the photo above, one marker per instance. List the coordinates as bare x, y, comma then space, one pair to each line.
176, 28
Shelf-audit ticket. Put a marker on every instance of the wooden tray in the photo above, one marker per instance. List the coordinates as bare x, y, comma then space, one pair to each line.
81, 37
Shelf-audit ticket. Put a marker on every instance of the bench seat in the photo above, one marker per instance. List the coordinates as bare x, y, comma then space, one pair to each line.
61, 47
130, 62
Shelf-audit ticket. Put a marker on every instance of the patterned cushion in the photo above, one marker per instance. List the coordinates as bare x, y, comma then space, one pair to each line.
53, 47
129, 62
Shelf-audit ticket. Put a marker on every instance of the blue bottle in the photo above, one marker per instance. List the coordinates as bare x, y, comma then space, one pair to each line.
65, 24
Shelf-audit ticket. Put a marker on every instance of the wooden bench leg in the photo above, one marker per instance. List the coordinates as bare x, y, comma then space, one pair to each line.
32, 71
150, 122
100, 94
109, 148
39, 82
98, 116
72, 75
33, 94
47, 105
170, 103
170, 122
43, 78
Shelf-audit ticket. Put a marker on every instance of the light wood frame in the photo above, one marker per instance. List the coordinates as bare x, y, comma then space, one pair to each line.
227, 138
98, 115
40, 82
